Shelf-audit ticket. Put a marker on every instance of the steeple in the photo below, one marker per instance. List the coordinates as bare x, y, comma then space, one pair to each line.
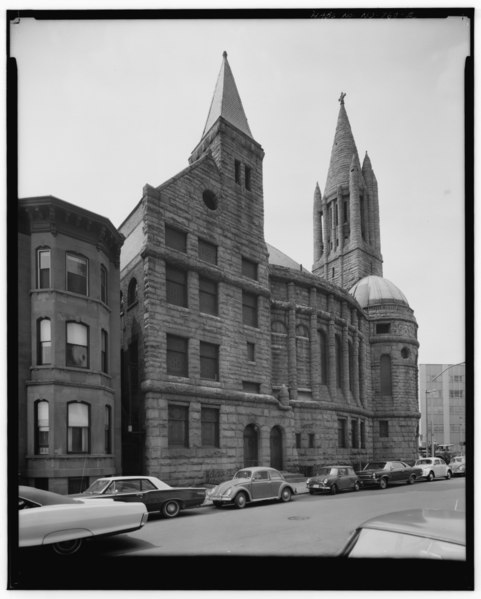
226, 102
347, 243
343, 149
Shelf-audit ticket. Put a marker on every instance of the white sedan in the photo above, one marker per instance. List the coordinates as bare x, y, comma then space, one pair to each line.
433, 468
47, 518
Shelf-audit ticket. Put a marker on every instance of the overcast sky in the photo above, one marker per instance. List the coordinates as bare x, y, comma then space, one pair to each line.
108, 106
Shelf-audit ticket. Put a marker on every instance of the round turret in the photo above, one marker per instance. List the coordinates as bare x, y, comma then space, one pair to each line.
374, 290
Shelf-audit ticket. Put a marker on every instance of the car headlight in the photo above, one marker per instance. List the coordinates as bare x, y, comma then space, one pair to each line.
325, 481
308, 481
374, 475
227, 493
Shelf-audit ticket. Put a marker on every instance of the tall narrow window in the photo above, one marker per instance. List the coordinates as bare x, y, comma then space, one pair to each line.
43, 269
42, 427
176, 286
237, 171
103, 285
354, 434
249, 309
248, 178
351, 367
324, 356
341, 432
77, 351
209, 419
386, 375
363, 435
177, 357
251, 352
108, 429
44, 337
339, 373
77, 274
178, 432
132, 292
384, 428
209, 361
208, 303
78, 427
104, 353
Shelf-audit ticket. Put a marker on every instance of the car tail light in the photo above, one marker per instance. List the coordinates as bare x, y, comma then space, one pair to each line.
145, 517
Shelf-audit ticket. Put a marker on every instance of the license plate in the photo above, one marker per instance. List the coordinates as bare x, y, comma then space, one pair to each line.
316, 486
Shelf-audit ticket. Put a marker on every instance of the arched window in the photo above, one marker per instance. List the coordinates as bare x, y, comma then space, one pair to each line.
339, 373
78, 427
42, 427
77, 350
132, 292
386, 375
324, 356
44, 341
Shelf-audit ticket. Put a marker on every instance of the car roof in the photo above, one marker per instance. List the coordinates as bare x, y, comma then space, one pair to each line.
256, 468
127, 477
443, 525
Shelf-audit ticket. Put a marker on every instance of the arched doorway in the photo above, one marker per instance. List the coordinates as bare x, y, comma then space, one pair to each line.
276, 448
251, 446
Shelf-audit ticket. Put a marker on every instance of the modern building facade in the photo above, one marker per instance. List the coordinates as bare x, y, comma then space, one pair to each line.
234, 355
68, 345
442, 400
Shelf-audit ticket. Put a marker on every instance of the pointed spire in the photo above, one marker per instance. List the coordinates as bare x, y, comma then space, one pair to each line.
226, 102
343, 149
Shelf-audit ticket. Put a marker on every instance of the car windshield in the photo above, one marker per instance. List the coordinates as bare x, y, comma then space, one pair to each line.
375, 466
460, 460
421, 462
97, 487
243, 474
326, 471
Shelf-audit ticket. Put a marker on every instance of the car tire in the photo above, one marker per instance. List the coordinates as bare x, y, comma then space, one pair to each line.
286, 494
411, 480
333, 490
430, 476
448, 474
357, 486
68, 547
240, 500
383, 483
170, 509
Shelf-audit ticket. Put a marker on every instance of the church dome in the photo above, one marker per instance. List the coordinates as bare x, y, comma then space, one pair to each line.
373, 290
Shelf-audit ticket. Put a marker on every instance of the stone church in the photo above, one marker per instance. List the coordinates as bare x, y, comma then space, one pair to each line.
232, 353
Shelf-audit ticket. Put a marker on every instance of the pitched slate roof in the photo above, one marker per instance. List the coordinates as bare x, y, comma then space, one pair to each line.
226, 101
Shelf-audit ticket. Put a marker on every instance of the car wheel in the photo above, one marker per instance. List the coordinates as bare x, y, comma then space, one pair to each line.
68, 547
240, 500
170, 509
411, 480
333, 489
286, 495
357, 486
430, 476
448, 474
383, 483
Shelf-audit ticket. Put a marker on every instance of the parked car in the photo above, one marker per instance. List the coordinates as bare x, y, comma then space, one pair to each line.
331, 479
64, 523
151, 491
383, 473
458, 465
250, 485
415, 533
433, 468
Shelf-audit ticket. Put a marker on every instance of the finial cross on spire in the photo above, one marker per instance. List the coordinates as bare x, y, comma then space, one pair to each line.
341, 99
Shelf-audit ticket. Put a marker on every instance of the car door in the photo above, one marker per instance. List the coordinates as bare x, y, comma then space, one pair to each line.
342, 479
350, 478
439, 467
261, 485
398, 472
127, 490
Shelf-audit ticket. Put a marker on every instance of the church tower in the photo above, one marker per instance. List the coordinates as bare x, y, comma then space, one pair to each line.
347, 244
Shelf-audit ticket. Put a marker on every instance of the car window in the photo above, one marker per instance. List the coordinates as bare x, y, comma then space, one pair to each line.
350, 472
376, 466
243, 474
126, 486
275, 475
342, 472
147, 485
261, 475
423, 462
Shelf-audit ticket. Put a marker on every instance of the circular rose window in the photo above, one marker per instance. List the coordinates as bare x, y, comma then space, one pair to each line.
210, 199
